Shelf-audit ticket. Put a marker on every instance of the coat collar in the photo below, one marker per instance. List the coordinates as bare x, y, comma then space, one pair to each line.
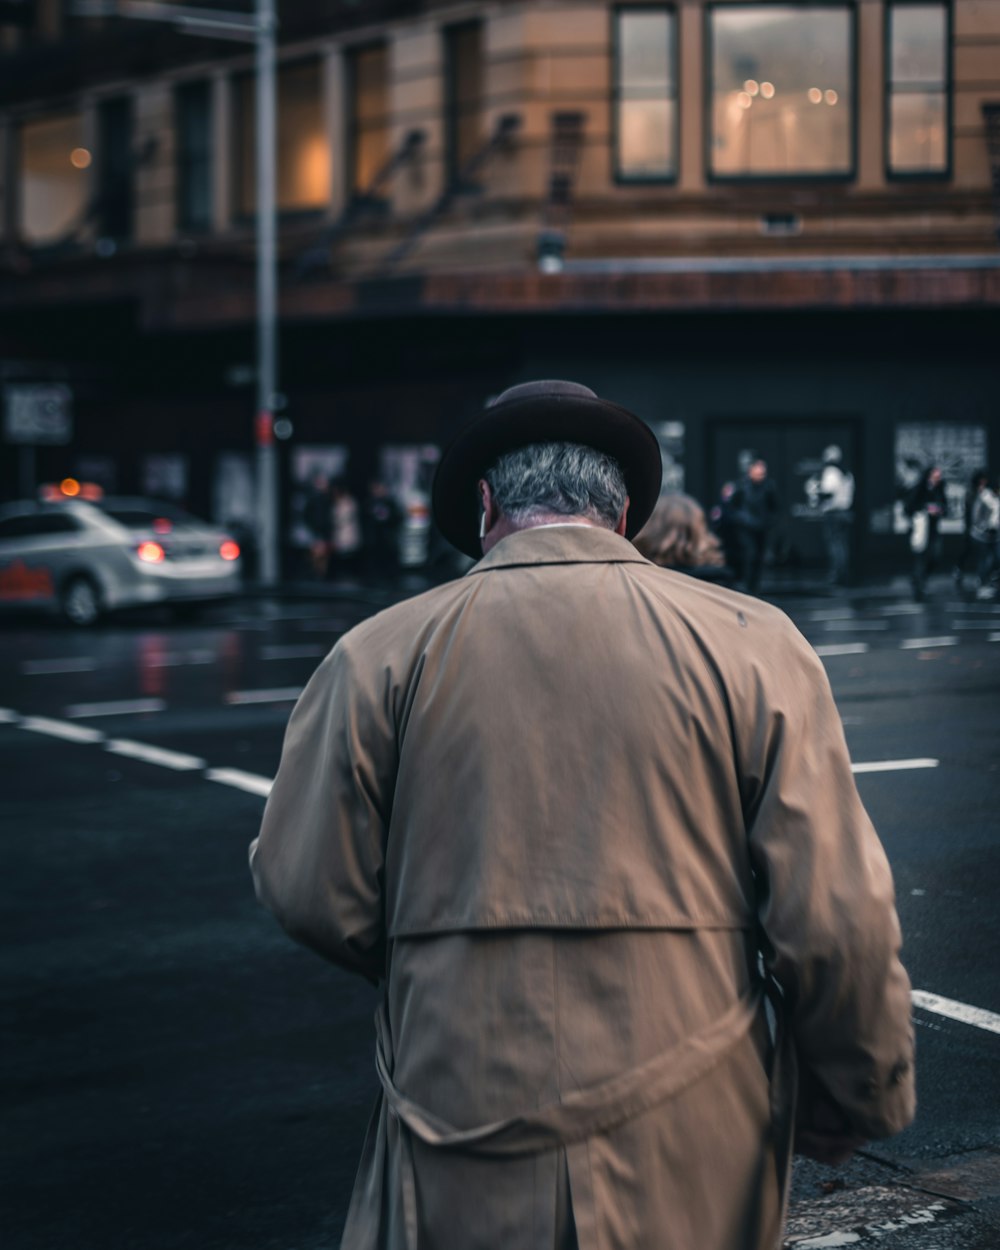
559, 544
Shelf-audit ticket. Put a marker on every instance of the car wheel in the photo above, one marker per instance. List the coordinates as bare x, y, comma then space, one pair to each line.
81, 602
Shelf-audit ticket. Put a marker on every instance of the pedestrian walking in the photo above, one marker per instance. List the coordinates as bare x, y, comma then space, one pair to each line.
381, 532
754, 512
579, 817
926, 505
836, 500
318, 516
346, 525
677, 537
984, 528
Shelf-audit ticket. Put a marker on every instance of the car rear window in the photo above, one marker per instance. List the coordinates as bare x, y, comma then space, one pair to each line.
34, 526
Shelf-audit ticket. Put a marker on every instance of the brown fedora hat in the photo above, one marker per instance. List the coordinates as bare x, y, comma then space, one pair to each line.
542, 412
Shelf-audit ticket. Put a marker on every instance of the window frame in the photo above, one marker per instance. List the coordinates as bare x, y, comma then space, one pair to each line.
639, 180
15, 172
452, 106
351, 54
182, 166
918, 175
238, 214
850, 7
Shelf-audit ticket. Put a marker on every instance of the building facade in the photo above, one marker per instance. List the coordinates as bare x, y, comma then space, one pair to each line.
766, 227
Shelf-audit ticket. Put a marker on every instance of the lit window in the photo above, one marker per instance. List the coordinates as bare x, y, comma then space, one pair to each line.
645, 93
54, 165
917, 89
781, 91
303, 153
368, 120
463, 94
194, 156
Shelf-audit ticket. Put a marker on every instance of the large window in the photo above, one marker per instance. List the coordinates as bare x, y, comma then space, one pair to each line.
917, 104
193, 111
53, 177
368, 115
114, 169
782, 91
463, 94
645, 94
303, 149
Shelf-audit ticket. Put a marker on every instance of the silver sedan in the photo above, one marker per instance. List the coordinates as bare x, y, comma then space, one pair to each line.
80, 560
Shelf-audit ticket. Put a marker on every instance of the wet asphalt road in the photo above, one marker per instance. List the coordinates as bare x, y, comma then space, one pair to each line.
178, 1074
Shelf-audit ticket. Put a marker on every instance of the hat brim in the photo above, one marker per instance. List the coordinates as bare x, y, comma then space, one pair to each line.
594, 422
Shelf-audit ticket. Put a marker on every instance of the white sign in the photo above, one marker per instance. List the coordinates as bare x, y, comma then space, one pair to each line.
38, 412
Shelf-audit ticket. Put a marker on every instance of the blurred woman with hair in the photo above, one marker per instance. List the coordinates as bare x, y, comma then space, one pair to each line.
677, 537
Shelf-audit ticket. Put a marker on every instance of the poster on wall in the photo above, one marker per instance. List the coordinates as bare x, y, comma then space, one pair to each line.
670, 436
958, 450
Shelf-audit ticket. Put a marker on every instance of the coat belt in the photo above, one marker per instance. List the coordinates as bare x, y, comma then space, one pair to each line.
579, 1115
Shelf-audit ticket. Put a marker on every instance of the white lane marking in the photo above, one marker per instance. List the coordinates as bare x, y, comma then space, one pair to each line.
868, 1233
900, 609
979, 1017
862, 625
116, 707
253, 783
842, 648
973, 625
893, 766
282, 694
61, 729
39, 668
295, 651
832, 614
177, 659
154, 755
8, 717
993, 638
919, 644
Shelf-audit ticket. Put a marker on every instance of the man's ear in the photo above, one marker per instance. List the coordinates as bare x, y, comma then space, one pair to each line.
623, 519
490, 512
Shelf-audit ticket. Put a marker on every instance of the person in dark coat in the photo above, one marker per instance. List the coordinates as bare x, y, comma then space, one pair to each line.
925, 506
754, 513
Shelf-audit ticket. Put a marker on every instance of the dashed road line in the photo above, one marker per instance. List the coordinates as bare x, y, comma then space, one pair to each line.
61, 729
901, 609
71, 664
978, 1017
252, 783
165, 758
973, 625
841, 648
921, 644
178, 659
282, 694
867, 1233
833, 614
8, 717
116, 707
860, 625
893, 766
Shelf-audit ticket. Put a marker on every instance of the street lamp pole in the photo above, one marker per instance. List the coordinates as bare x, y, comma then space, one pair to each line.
267, 294
261, 30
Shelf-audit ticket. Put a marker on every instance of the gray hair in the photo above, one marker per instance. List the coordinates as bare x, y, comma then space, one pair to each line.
560, 479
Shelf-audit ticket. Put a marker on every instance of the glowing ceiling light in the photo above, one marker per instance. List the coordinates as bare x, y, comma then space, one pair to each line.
744, 99
751, 86
831, 97
815, 95
767, 90
80, 158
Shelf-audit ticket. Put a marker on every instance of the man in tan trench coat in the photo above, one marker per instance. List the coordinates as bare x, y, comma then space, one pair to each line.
574, 811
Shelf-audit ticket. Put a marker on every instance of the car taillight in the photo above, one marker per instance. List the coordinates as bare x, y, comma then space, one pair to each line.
162, 525
152, 553
230, 550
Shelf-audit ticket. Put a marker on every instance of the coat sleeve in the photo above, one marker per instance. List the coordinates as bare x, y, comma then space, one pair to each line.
318, 862
826, 903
